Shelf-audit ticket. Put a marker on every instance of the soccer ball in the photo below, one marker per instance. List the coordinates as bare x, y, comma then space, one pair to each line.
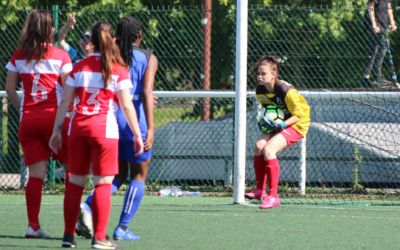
271, 112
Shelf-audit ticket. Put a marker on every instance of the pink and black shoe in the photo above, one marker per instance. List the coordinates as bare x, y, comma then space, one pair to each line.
257, 194
270, 202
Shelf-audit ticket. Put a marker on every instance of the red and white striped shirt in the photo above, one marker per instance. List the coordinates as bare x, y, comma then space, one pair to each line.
95, 105
41, 81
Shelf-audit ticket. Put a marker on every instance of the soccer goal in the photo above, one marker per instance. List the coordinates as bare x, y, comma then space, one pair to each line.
349, 156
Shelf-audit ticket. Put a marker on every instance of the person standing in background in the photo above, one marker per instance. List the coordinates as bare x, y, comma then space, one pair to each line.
85, 45
379, 19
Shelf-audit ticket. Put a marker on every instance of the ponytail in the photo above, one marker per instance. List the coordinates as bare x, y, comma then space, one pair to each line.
104, 43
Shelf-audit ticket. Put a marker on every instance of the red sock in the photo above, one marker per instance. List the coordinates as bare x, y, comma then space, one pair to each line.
101, 207
259, 171
33, 196
273, 176
72, 200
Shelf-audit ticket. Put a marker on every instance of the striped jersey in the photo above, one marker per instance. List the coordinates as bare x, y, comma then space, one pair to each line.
95, 105
41, 81
287, 98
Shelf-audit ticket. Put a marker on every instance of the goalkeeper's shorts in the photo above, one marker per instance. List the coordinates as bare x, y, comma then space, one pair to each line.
291, 135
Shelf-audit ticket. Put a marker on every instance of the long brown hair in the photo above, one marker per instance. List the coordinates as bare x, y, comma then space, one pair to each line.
38, 30
103, 42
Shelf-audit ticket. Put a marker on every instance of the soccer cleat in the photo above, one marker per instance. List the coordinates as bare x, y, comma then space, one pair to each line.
121, 234
103, 244
84, 226
270, 202
255, 194
38, 234
68, 241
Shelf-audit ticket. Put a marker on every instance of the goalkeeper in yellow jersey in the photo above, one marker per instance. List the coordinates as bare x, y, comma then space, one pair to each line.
281, 134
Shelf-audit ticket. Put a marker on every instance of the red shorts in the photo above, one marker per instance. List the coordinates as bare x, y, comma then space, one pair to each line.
34, 137
101, 152
291, 135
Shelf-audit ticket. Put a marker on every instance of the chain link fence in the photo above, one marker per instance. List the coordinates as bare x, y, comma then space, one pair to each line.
352, 154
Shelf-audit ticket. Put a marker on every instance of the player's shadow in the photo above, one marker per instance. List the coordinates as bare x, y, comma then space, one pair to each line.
22, 237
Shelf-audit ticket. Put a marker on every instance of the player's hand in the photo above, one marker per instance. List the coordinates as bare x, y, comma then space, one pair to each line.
148, 144
155, 99
138, 146
274, 125
71, 20
376, 29
55, 142
392, 27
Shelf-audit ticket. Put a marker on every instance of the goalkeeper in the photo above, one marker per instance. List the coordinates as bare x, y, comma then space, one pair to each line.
273, 91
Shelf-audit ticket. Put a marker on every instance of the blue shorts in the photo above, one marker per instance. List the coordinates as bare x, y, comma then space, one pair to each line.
125, 152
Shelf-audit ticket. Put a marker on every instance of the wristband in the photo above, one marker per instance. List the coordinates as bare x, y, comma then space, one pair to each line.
283, 125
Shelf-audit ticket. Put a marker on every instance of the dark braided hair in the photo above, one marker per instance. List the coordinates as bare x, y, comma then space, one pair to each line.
128, 31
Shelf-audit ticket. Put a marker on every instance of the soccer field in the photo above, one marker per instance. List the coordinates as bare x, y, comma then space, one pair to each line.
215, 223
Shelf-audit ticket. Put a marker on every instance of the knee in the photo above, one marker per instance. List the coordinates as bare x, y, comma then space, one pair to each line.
258, 147
269, 153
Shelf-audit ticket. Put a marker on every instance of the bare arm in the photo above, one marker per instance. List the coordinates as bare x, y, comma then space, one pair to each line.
11, 89
375, 26
56, 138
392, 25
129, 111
62, 33
148, 86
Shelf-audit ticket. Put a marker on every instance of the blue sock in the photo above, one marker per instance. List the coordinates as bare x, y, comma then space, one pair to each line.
116, 184
133, 197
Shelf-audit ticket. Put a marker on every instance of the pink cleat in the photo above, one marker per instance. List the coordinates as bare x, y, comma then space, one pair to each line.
270, 202
255, 194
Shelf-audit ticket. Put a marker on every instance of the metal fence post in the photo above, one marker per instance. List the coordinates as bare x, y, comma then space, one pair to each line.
52, 163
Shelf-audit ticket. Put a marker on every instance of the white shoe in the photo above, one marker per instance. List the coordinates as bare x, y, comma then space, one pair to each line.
85, 221
38, 234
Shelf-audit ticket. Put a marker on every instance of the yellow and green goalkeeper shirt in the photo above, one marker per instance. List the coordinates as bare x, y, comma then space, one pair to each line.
287, 98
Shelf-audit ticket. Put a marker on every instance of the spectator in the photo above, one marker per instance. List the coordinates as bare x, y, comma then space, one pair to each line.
379, 19
85, 45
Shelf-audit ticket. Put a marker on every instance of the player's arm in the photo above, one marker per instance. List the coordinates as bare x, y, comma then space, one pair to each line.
62, 33
371, 8
11, 88
297, 106
392, 25
126, 105
67, 97
148, 87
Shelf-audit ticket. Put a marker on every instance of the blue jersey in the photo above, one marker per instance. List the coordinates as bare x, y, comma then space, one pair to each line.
140, 60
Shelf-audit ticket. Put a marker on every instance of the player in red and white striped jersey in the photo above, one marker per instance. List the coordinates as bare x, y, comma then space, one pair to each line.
99, 83
41, 69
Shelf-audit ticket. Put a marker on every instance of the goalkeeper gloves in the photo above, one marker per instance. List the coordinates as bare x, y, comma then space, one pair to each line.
271, 125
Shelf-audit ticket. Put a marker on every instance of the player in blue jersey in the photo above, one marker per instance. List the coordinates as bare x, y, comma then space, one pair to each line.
143, 66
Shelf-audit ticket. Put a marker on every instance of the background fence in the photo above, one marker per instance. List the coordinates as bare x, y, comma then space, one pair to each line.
352, 152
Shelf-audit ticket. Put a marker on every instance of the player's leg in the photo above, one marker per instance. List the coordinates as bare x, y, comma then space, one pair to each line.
34, 137
259, 168
133, 197
33, 195
277, 143
79, 167
105, 166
